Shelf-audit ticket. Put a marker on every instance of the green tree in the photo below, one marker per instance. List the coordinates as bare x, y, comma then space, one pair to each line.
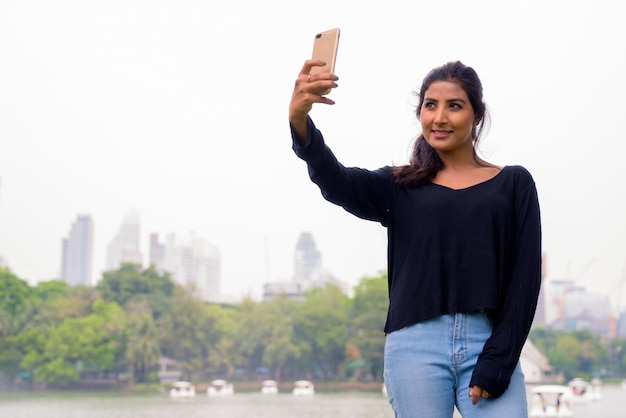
11, 355
321, 327
222, 326
91, 343
51, 289
183, 334
367, 321
280, 350
253, 334
142, 350
564, 355
131, 284
592, 354
77, 303
17, 308
578, 353
13, 293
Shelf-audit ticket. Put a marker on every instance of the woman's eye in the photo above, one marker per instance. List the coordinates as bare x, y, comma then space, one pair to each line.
455, 106
429, 105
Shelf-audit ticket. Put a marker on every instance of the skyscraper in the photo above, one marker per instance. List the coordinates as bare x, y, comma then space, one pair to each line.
307, 257
308, 273
194, 264
125, 248
76, 254
157, 253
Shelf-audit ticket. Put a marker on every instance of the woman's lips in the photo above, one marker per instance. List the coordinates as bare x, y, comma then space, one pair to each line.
439, 134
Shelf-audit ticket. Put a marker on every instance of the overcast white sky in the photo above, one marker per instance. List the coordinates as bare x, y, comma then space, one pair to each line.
178, 109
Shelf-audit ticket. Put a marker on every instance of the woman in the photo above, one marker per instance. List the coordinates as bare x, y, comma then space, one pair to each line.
464, 249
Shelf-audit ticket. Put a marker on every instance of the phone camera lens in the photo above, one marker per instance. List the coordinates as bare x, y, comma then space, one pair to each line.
319, 35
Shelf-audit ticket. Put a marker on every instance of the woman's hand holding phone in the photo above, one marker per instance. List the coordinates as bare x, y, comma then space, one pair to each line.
315, 81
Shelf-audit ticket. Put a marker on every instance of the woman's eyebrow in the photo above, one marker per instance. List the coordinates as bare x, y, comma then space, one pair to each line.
454, 99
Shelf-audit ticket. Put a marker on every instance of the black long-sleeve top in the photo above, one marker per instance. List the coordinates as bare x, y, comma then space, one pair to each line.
449, 250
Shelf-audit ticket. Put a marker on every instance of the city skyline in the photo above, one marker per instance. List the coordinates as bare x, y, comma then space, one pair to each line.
307, 259
192, 261
196, 261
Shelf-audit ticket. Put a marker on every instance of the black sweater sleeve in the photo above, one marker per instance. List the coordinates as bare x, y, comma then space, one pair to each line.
361, 192
518, 300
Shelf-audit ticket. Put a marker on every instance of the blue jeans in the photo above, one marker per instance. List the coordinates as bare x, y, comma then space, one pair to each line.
428, 367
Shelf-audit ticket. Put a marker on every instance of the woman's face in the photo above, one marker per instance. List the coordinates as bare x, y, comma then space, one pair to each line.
447, 118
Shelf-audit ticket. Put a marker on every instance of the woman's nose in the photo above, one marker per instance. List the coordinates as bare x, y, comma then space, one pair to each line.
441, 116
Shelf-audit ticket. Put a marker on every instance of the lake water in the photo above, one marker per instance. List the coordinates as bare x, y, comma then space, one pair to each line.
241, 405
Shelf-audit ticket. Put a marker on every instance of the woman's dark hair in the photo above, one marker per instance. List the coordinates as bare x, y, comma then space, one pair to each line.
425, 162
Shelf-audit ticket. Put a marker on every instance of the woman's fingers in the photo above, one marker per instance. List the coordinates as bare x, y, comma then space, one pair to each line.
308, 65
309, 89
476, 392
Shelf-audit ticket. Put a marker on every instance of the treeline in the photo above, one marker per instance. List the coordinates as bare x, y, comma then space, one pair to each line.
59, 335
581, 353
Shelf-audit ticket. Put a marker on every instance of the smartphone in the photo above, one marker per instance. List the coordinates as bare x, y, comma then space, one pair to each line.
325, 47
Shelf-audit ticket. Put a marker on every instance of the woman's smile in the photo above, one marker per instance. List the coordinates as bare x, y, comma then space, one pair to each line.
439, 134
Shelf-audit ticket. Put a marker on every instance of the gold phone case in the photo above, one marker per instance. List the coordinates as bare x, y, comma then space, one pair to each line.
325, 47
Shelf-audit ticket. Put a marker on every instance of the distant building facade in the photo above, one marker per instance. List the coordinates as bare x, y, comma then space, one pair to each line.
125, 246
195, 264
308, 273
157, 253
576, 309
306, 258
77, 253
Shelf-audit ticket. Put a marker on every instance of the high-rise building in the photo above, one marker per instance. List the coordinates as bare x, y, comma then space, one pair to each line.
76, 254
194, 264
307, 258
157, 253
308, 273
125, 248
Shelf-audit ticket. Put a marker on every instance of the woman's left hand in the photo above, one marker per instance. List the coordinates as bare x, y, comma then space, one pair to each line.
476, 392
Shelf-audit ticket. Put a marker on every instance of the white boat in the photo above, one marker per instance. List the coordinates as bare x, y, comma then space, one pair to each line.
220, 387
270, 387
303, 388
182, 389
582, 391
551, 401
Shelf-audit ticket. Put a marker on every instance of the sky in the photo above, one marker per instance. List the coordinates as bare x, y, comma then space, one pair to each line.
178, 110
